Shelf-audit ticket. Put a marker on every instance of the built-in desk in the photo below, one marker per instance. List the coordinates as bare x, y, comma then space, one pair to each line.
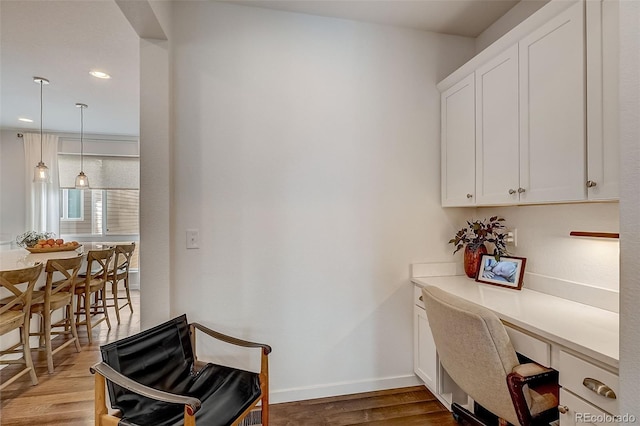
580, 341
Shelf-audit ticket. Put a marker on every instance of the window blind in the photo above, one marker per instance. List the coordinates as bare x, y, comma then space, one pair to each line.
104, 172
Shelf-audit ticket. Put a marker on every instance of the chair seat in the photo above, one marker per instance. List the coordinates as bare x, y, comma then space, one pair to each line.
10, 320
225, 393
58, 300
94, 285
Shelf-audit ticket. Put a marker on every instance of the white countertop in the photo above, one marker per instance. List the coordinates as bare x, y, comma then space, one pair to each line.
21, 258
582, 328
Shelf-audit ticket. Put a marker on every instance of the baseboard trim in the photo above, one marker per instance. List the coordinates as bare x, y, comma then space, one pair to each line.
342, 388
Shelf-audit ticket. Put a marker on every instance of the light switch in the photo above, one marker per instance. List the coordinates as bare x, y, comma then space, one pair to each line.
512, 237
193, 239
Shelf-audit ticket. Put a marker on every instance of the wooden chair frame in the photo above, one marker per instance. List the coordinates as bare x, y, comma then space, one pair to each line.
21, 302
93, 282
53, 297
191, 405
120, 272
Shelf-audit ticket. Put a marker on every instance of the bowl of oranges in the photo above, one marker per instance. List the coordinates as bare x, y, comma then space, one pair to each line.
49, 245
44, 242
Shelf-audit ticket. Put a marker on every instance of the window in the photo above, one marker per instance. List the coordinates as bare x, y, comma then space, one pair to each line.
110, 207
72, 205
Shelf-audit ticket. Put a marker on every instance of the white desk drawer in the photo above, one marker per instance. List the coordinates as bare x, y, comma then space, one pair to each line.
580, 412
530, 347
575, 375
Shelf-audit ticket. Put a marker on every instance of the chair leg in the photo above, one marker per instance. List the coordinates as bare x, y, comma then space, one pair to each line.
126, 287
87, 315
114, 293
27, 349
46, 314
104, 307
70, 323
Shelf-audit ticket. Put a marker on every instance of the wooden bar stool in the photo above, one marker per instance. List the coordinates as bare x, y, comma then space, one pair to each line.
15, 313
93, 283
55, 296
120, 272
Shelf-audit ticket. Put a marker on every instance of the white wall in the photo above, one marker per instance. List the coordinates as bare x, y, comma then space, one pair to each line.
630, 207
306, 152
543, 238
12, 191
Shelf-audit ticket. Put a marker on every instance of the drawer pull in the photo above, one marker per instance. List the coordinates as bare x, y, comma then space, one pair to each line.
598, 387
563, 409
420, 299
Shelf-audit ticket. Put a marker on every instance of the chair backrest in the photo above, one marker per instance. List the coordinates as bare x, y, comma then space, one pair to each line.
21, 297
123, 255
68, 268
98, 265
474, 349
160, 357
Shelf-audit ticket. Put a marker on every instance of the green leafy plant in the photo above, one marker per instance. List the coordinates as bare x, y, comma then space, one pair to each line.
30, 238
479, 232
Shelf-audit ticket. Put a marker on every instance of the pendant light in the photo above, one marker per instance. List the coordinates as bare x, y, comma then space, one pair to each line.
41, 172
82, 181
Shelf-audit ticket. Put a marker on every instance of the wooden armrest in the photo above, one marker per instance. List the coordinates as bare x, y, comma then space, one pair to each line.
266, 349
113, 376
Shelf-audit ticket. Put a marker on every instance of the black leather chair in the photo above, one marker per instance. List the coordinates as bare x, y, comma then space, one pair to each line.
154, 379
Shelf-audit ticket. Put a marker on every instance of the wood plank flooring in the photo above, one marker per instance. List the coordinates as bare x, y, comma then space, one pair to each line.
66, 396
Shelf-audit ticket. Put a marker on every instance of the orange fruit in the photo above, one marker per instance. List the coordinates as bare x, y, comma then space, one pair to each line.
59, 241
51, 241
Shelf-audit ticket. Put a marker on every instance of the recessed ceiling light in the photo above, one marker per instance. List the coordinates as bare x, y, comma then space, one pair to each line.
26, 120
99, 74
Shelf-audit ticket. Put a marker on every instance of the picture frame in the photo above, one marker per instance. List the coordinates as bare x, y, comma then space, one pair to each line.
509, 271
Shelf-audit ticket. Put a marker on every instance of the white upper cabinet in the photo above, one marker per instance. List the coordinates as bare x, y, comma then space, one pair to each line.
497, 130
552, 110
458, 144
603, 174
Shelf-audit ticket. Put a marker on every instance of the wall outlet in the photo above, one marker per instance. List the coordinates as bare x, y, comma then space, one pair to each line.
512, 237
193, 239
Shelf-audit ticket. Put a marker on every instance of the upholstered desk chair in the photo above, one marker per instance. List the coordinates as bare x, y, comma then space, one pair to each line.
15, 313
120, 272
52, 298
93, 283
475, 350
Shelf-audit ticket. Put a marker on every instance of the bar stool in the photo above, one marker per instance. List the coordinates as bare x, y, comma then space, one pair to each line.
93, 282
120, 272
15, 313
52, 297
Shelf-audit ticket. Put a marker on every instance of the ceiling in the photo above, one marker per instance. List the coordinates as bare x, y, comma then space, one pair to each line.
62, 40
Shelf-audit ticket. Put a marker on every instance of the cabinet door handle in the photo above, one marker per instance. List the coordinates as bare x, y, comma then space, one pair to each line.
469, 196
420, 299
563, 409
512, 191
521, 190
598, 387
591, 184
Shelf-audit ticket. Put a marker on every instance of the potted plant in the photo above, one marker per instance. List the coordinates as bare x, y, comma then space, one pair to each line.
473, 238
31, 238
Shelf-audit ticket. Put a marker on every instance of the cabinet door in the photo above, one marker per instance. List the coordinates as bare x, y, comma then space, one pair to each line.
458, 144
425, 360
497, 130
603, 171
579, 412
552, 110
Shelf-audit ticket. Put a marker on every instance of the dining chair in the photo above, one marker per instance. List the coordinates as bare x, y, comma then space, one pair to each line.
120, 272
53, 297
15, 314
90, 283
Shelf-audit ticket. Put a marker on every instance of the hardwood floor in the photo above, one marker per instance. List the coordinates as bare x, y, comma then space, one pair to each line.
66, 396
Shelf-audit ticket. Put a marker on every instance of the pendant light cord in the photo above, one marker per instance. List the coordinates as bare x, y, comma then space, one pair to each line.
41, 81
81, 137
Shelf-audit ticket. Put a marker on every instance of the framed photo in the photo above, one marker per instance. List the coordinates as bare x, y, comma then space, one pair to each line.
508, 272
